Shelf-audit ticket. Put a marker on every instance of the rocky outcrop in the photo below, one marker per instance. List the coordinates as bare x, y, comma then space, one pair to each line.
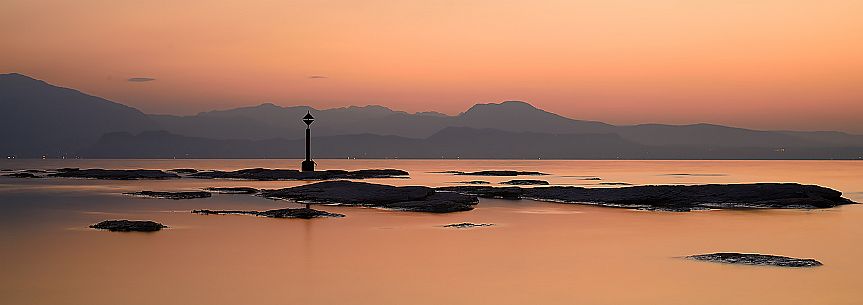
291, 174
496, 173
172, 195
674, 197
474, 182
303, 213
467, 225
756, 259
262, 174
407, 198
129, 226
22, 175
113, 174
233, 190
525, 182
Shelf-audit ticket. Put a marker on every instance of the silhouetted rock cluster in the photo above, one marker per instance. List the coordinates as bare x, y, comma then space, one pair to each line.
113, 174
675, 197
496, 173
129, 226
262, 174
525, 182
22, 175
615, 183
291, 174
233, 190
467, 225
172, 195
756, 259
474, 182
303, 213
407, 198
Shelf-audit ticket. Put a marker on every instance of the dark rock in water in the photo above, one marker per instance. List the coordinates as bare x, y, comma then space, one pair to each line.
183, 170
675, 197
113, 174
129, 226
694, 175
525, 182
22, 175
499, 173
280, 213
292, 174
591, 178
36, 171
671, 209
474, 182
614, 183
5, 170
233, 190
466, 225
512, 193
756, 259
303, 213
408, 198
172, 195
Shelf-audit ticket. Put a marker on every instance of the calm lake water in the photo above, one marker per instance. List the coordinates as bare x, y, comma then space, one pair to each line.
537, 253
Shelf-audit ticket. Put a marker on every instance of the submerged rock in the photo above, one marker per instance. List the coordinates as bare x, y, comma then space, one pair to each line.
498, 173
292, 174
303, 213
474, 182
466, 225
22, 175
172, 195
408, 198
233, 190
525, 182
675, 197
614, 183
694, 175
756, 259
183, 170
113, 174
129, 226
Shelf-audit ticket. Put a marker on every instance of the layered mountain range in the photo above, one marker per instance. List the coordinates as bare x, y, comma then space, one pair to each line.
39, 119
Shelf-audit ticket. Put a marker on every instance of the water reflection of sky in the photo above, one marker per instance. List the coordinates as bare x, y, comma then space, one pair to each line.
536, 252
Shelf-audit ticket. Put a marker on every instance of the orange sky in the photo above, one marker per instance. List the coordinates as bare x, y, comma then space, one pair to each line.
760, 64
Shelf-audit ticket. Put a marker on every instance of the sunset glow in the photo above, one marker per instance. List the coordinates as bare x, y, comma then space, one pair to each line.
758, 64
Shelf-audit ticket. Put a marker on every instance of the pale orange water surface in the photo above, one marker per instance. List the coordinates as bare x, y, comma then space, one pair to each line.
537, 253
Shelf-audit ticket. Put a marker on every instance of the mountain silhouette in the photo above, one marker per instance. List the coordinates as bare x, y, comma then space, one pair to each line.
449, 143
41, 119
37, 118
271, 121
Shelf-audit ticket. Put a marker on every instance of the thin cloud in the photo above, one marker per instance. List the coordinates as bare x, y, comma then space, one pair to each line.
141, 79
317, 77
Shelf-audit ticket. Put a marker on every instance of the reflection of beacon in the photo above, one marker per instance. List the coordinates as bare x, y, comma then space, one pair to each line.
308, 164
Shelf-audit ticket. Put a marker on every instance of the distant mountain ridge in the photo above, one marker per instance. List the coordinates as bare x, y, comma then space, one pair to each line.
449, 143
37, 118
41, 119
